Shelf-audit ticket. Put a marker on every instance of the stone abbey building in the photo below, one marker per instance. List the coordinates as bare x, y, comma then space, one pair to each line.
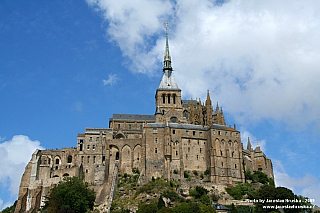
182, 135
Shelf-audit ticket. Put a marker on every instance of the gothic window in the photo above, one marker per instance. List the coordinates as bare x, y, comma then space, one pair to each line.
235, 166
155, 150
194, 133
155, 131
88, 147
156, 140
221, 153
169, 97
81, 145
69, 159
173, 131
93, 147
129, 126
185, 114
57, 161
174, 99
163, 98
176, 152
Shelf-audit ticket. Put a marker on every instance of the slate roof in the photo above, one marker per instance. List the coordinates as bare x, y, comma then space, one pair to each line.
168, 82
133, 117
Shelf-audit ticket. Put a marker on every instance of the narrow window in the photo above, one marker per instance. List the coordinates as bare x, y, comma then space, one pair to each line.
129, 126
187, 132
163, 99
81, 145
221, 153
156, 140
174, 99
97, 139
118, 126
232, 154
155, 150
103, 158
235, 166
88, 161
197, 157
141, 127
188, 149
194, 133
94, 159
90, 139
169, 97
88, 147
221, 164
186, 156
173, 131
176, 152
155, 131
82, 159
93, 147
57, 161
226, 133
200, 134
200, 150
69, 159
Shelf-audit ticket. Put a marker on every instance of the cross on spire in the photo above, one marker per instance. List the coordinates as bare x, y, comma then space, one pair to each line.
167, 57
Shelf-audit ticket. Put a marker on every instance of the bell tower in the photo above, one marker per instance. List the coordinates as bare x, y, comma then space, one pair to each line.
168, 94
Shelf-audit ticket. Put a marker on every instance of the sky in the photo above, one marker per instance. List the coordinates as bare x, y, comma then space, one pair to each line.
68, 65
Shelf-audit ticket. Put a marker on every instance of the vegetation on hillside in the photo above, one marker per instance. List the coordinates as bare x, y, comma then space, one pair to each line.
70, 195
10, 209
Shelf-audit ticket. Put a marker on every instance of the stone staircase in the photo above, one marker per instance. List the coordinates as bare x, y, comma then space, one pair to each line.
114, 183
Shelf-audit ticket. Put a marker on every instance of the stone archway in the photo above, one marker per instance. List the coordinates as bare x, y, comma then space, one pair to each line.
137, 157
126, 162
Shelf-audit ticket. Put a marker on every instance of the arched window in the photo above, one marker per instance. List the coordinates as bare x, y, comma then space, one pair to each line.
57, 161
117, 156
65, 175
174, 99
69, 159
163, 98
169, 97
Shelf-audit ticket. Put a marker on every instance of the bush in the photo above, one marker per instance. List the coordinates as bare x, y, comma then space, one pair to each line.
186, 174
195, 172
70, 194
239, 190
207, 172
175, 171
135, 170
174, 197
198, 192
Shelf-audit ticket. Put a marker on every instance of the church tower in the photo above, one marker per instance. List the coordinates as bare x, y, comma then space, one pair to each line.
168, 94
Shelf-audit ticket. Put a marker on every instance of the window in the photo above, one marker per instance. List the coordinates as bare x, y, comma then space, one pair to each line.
188, 149
156, 140
232, 154
103, 158
97, 139
219, 132
69, 159
187, 132
88, 147
118, 126
237, 135
141, 127
231, 134
93, 147
186, 156
81, 145
155, 150
176, 152
82, 159
200, 134
221, 153
129, 126
226, 133
88, 161
194, 133
200, 150
90, 139
163, 98
173, 131
221, 164
174, 99
57, 161
235, 166
94, 159
169, 97
197, 157
155, 131
214, 132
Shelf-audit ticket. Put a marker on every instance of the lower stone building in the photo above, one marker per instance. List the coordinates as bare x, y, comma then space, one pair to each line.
182, 135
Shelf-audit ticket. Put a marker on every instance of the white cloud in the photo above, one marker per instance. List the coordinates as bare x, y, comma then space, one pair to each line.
260, 59
253, 140
15, 154
112, 79
308, 186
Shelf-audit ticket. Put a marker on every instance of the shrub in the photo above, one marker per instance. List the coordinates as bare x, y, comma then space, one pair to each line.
195, 172
207, 172
198, 192
175, 171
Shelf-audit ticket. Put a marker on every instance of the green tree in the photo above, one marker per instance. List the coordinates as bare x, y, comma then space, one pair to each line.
69, 195
147, 208
198, 191
10, 209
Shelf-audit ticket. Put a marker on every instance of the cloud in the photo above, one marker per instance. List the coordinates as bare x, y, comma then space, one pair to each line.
308, 186
112, 79
253, 140
15, 154
260, 59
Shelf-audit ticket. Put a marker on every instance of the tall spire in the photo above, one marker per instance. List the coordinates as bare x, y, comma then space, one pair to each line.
167, 57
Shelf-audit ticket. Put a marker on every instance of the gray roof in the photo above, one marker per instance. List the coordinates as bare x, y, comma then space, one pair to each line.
168, 82
133, 117
188, 102
189, 126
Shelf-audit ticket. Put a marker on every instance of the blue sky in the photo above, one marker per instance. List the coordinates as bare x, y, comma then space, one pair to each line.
67, 65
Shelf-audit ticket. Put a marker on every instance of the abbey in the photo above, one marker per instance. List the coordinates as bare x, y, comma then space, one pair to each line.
182, 135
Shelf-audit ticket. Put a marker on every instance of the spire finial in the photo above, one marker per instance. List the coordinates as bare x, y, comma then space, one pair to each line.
167, 57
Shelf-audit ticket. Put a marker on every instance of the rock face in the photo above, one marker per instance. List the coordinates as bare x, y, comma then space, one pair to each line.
182, 136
